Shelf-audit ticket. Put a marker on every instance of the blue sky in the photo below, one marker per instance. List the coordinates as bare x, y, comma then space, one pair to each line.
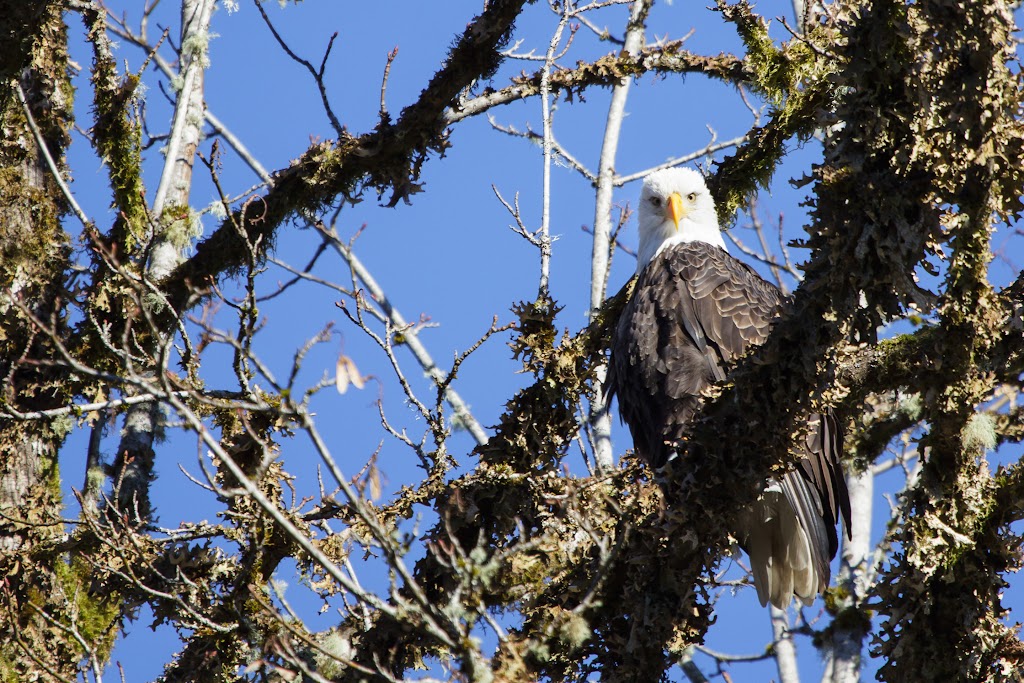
449, 256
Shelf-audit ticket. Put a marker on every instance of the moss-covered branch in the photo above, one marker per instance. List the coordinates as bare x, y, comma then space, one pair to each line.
951, 569
117, 135
35, 601
387, 160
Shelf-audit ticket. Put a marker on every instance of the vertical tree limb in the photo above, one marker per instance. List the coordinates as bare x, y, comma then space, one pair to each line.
785, 648
33, 255
852, 623
599, 416
186, 132
133, 465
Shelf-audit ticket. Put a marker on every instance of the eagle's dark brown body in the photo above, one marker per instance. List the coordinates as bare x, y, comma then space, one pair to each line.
694, 310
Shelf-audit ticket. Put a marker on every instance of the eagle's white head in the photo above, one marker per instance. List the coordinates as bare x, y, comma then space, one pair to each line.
675, 207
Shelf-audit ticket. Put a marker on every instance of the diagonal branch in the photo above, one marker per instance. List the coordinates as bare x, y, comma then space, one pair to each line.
389, 158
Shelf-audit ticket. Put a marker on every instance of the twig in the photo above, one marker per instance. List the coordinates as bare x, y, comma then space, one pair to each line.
618, 245
544, 240
758, 225
418, 350
384, 116
412, 340
318, 76
77, 408
601, 33
556, 147
708, 150
723, 657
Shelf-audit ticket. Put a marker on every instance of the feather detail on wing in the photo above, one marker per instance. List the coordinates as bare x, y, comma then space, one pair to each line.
693, 311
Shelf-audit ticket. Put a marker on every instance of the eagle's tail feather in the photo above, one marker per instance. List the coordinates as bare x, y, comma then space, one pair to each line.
780, 551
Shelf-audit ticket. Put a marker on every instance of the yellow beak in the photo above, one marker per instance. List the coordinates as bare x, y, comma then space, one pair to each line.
675, 209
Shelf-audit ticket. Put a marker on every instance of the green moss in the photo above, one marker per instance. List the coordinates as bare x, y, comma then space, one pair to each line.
32, 239
752, 167
796, 82
900, 356
95, 615
8, 671
117, 133
61, 426
180, 225
772, 70
336, 649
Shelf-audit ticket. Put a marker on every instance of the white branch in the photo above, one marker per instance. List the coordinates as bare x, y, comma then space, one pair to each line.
548, 145
195, 25
785, 650
843, 653
142, 419
600, 420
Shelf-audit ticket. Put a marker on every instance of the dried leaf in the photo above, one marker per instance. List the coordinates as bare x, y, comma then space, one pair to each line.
373, 477
347, 373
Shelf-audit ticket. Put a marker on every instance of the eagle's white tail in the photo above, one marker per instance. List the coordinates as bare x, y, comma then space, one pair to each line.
780, 551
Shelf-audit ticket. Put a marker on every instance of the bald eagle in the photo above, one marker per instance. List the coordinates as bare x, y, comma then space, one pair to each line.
696, 309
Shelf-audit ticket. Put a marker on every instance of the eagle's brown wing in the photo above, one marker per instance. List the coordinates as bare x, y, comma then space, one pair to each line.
693, 311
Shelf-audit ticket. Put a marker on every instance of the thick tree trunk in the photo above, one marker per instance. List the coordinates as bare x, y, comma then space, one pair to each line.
35, 106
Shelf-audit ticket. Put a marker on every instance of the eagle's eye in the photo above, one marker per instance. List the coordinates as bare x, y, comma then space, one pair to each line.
656, 201
692, 197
